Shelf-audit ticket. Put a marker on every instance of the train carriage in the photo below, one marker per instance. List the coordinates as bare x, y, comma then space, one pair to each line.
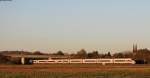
99, 61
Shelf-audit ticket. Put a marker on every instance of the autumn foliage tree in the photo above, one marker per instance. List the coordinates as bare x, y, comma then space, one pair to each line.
93, 54
38, 53
59, 53
81, 54
142, 54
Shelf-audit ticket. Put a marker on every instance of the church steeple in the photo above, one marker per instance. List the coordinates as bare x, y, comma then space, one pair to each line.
134, 48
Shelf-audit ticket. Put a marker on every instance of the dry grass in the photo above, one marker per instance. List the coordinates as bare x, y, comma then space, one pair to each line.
74, 71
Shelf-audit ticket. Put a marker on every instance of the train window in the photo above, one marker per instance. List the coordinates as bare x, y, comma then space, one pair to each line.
120, 60
129, 60
51, 61
66, 61
104, 60
90, 60
75, 61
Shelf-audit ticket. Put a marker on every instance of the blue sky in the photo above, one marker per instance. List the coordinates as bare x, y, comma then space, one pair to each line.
70, 25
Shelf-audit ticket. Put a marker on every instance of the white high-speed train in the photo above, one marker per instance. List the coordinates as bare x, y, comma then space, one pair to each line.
100, 61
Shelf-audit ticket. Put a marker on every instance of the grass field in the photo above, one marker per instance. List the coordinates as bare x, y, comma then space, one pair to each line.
74, 71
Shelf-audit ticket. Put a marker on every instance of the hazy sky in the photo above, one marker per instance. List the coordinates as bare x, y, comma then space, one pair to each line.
70, 25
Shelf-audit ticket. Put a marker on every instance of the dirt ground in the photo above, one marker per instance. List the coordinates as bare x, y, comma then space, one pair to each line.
73, 68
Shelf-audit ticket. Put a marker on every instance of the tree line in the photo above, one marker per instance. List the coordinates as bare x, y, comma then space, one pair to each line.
141, 54
95, 54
